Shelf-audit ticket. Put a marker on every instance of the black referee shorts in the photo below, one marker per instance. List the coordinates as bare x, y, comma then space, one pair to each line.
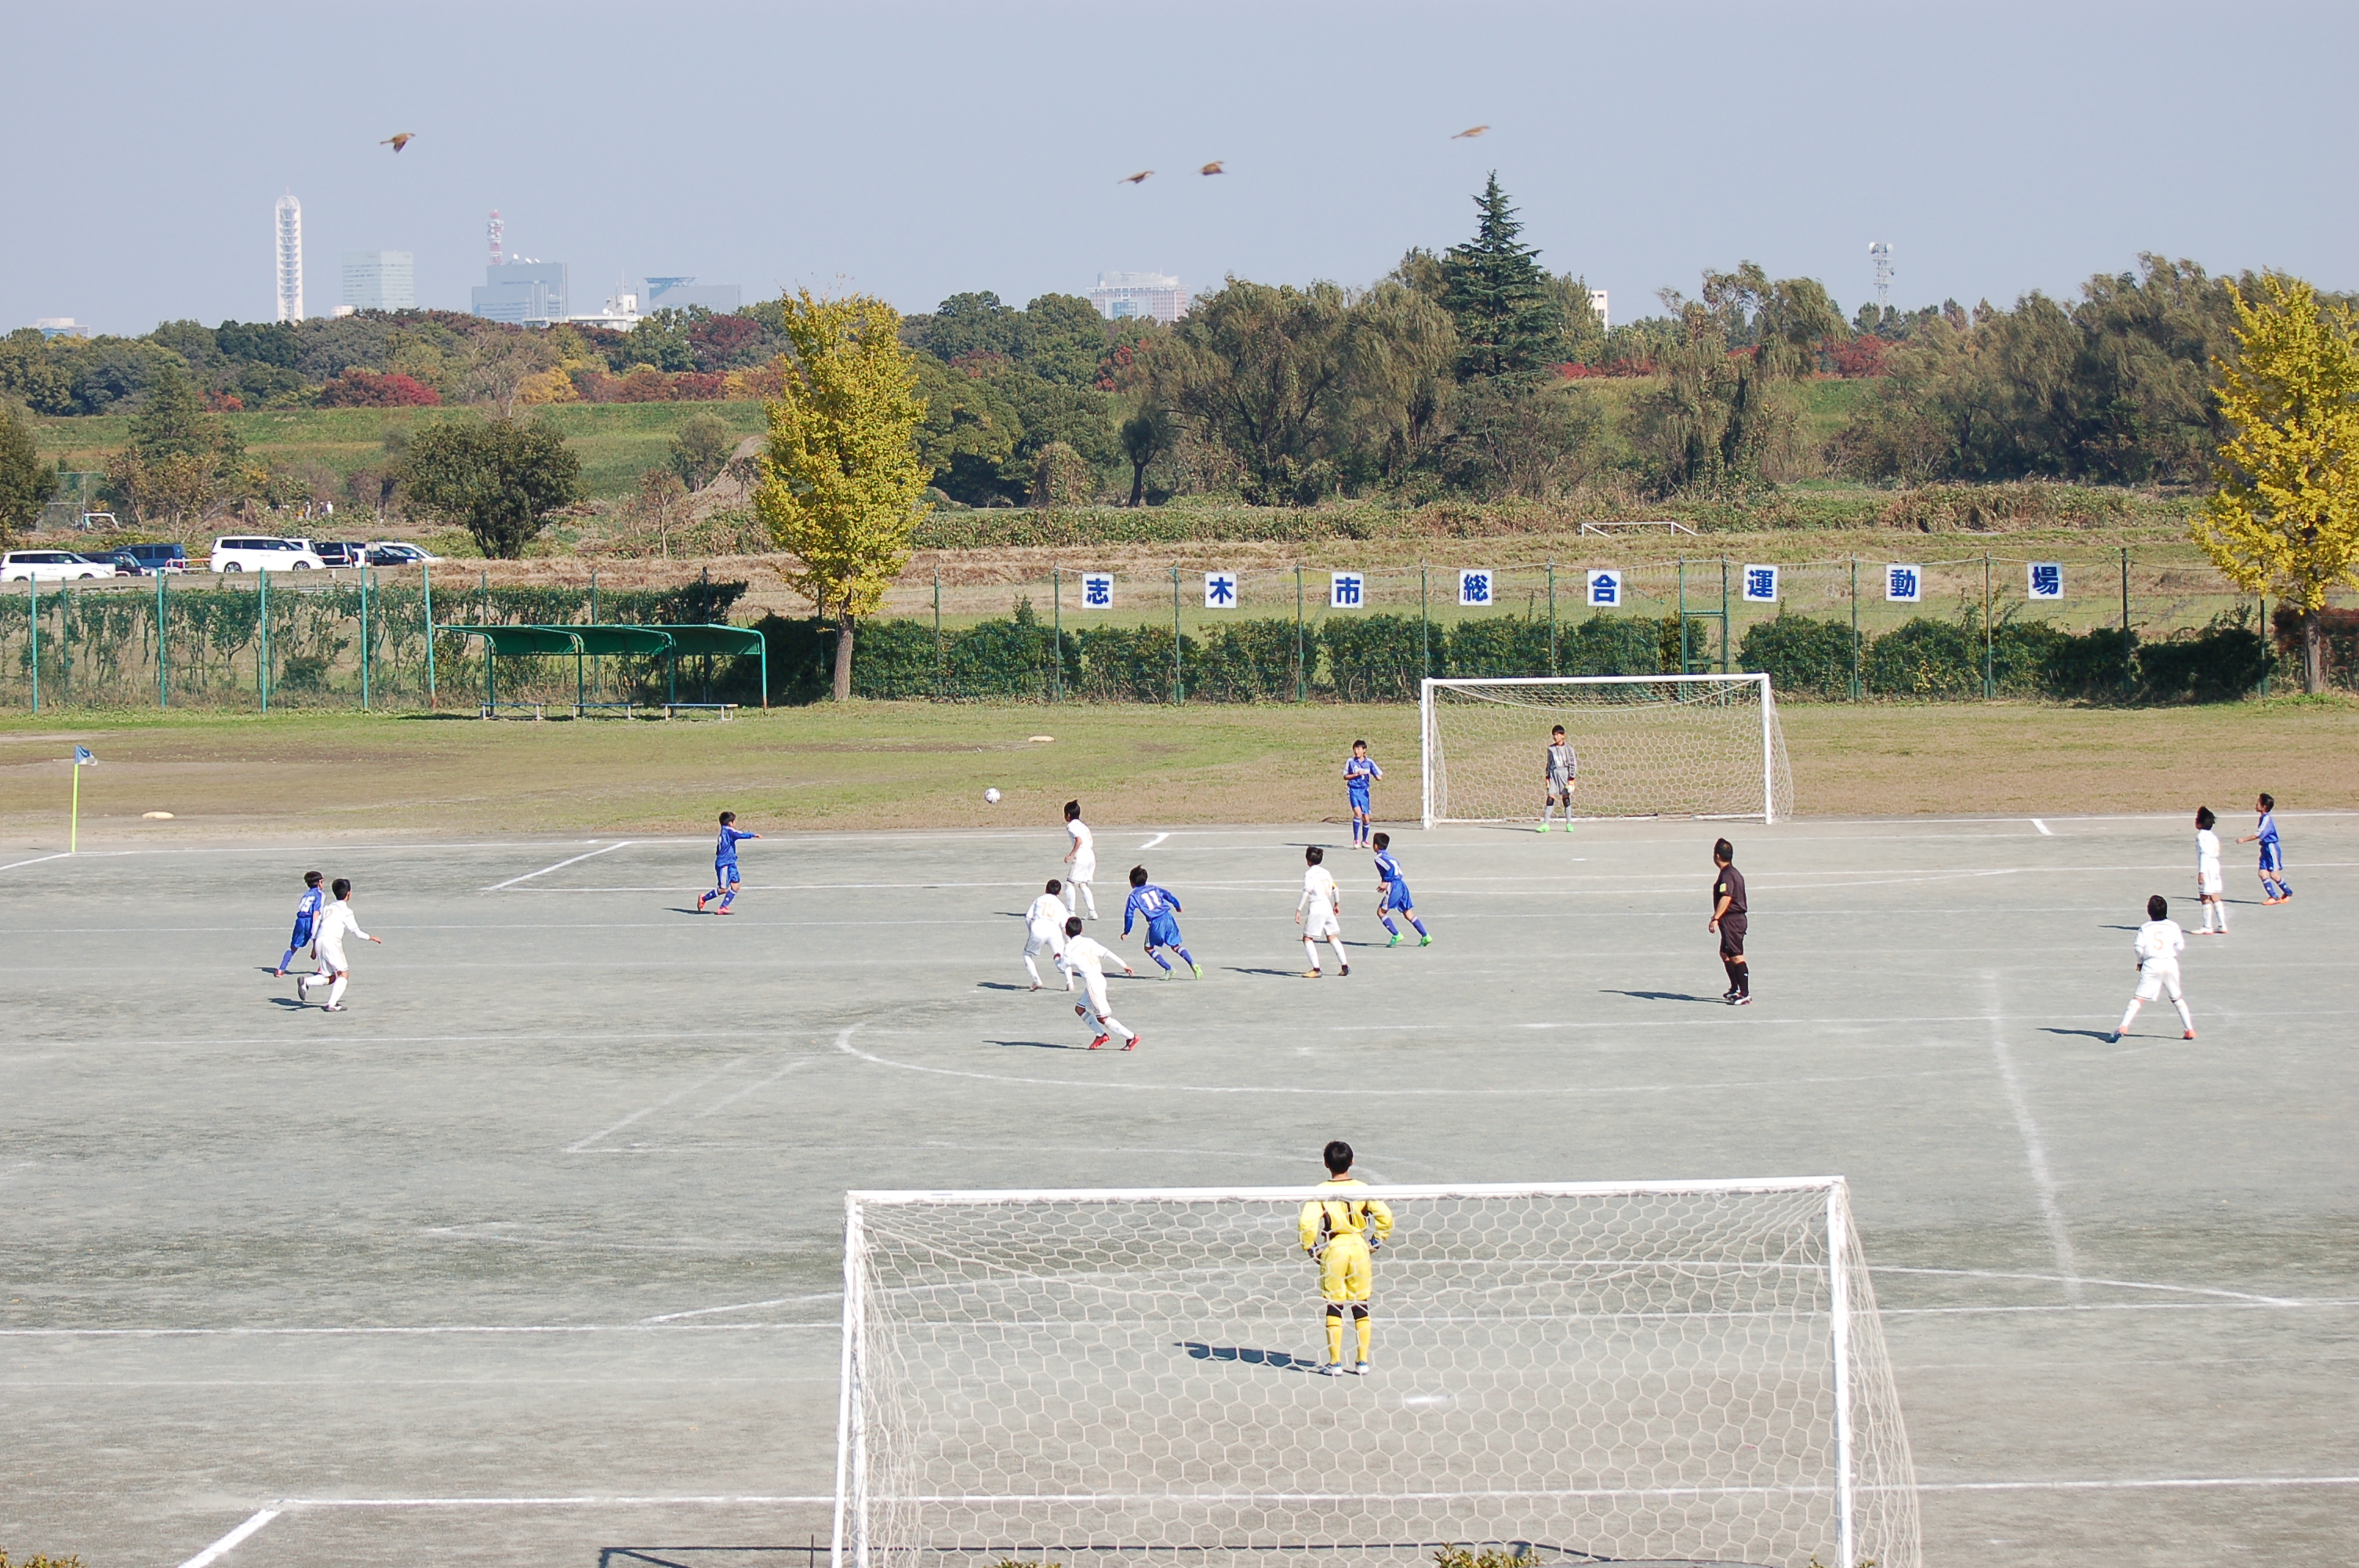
1732, 938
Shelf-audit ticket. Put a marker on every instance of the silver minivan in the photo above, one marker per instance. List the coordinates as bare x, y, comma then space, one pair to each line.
263, 553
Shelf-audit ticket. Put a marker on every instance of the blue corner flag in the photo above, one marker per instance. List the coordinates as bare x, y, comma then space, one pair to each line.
83, 758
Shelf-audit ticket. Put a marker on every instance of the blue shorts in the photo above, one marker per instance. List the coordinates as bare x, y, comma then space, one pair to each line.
724, 872
303, 932
1359, 800
1163, 932
2273, 856
1397, 897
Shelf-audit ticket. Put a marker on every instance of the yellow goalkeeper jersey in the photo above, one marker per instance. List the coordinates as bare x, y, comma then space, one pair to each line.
1323, 1219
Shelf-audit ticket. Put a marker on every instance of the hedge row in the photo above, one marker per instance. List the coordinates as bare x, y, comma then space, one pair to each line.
1929, 658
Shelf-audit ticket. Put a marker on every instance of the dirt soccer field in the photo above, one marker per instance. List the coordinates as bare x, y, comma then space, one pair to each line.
532, 1256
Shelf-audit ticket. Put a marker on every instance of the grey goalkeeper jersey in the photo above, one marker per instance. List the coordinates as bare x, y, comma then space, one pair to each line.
1561, 764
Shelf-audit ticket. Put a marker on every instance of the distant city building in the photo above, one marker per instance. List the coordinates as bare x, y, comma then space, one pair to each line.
1125, 296
289, 230
620, 314
526, 292
685, 293
59, 327
380, 280
1597, 303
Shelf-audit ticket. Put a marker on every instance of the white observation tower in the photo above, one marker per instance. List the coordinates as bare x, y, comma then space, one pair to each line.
290, 258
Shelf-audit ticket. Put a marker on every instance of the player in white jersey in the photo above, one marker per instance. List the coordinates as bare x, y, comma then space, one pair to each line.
336, 922
2207, 872
2160, 942
1084, 858
1319, 911
1086, 959
1044, 929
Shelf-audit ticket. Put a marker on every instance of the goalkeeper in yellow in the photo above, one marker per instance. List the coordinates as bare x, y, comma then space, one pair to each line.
1342, 1234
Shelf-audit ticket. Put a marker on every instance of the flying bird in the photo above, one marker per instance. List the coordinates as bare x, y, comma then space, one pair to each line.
1469, 131
1213, 167
1135, 179
399, 142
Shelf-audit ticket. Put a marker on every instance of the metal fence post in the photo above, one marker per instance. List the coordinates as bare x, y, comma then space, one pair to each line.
1855, 628
1298, 673
1723, 615
2269, 645
33, 631
938, 633
364, 645
1057, 609
262, 640
1686, 658
1990, 687
163, 678
2127, 652
1179, 683
1551, 570
426, 577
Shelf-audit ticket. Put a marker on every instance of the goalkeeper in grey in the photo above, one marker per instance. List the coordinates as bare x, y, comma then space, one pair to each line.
1562, 774
1342, 1234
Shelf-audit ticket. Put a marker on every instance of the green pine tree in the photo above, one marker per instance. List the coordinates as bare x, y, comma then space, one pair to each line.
1508, 316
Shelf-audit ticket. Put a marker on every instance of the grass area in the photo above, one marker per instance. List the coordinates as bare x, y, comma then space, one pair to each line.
895, 765
617, 440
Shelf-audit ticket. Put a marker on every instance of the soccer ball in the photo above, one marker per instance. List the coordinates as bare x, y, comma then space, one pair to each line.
991, 797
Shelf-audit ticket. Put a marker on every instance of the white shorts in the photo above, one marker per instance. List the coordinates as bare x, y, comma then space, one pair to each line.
1052, 943
2208, 881
1085, 869
1094, 987
1319, 923
333, 958
2156, 975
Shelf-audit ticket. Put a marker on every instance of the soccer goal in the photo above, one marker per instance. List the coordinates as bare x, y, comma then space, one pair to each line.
1647, 746
1685, 1369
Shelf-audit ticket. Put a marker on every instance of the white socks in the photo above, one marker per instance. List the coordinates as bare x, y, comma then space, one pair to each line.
2184, 1016
1031, 970
1337, 943
1311, 952
2221, 908
2180, 1002
336, 991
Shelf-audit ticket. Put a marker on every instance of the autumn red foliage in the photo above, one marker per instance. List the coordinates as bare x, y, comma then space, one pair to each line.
359, 388
645, 384
1862, 356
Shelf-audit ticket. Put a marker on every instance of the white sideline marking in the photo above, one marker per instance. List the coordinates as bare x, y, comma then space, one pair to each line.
222, 1548
2112, 1284
423, 1329
1154, 841
559, 866
2171, 1484
540, 1502
2034, 1152
576, 1148
745, 1306
33, 861
2044, 831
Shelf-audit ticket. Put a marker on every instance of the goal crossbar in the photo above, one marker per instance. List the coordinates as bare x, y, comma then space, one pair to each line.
1096, 1372
1696, 753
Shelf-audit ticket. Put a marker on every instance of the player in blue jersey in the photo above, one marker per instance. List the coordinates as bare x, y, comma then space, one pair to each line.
1359, 773
1156, 906
2275, 889
1392, 893
725, 865
307, 916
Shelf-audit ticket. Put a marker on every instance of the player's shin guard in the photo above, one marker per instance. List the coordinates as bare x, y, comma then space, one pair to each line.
1389, 924
1089, 894
1421, 931
729, 898
1335, 1334
2128, 1013
2187, 1020
1031, 968
1160, 962
336, 991
1341, 961
1311, 952
286, 960
1366, 1327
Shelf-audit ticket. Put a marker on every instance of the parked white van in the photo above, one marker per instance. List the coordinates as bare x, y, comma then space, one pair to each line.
52, 566
263, 553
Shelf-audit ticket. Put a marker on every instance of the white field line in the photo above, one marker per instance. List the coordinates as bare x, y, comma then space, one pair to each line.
35, 860
222, 1548
579, 1146
1154, 841
2034, 1152
581, 1502
737, 1095
651, 1327
2158, 1485
560, 865
2044, 831
744, 1306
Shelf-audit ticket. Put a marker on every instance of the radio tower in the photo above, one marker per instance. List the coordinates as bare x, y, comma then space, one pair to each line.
1882, 253
495, 231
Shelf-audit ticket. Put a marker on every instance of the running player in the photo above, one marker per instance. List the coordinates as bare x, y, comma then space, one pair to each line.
1342, 1234
2275, 889
1323, 907
725, 865
335, 925
2159, 944
1084, 858
1086, 959
1044, 928
1156, 906
306, 912
2207, 872
1359, 773
1729, 918
1392, 893
1561, 771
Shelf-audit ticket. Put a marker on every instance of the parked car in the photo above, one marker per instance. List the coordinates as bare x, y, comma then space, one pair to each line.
263, 553
52, 565
393, 553
125, 563
157, 558
336, 554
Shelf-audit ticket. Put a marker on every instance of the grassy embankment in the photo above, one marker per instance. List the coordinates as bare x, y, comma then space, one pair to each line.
873, 765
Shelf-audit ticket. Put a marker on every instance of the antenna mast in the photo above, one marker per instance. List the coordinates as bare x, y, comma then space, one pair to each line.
1882, 253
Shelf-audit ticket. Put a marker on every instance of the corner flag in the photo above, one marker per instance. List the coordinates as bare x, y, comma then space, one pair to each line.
82, 759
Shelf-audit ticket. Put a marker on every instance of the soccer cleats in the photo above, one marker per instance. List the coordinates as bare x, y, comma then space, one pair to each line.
1395, 941
1360, 1370
1099, 1041
1197, 968
302, 988
1541, 829
1343, 969
2188, 1035
1742, 998
1132, 1044
1335, 1370
701, 900
1424, 939
1310, 974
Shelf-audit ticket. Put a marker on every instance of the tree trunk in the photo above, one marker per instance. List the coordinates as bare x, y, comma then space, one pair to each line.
2313, 653
1139, 484
844, 657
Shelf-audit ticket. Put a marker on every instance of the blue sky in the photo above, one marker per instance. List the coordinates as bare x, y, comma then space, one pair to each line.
915, 150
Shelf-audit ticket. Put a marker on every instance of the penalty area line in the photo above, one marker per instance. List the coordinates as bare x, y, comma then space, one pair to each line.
618, 844
222, 1548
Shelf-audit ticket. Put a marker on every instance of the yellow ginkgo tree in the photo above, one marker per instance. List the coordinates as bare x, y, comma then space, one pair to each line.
2284, 516
842, 485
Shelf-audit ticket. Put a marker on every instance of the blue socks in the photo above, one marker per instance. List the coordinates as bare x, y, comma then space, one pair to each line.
1413, 920
1390, 926
728, 897
1158, 960
288, 959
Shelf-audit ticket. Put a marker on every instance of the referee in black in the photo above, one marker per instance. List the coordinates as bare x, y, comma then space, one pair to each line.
1728, 919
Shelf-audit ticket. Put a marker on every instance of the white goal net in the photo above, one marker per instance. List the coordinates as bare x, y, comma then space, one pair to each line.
1689, 1370
1646, 745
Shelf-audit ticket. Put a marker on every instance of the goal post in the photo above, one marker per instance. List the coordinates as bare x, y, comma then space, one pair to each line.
1698, 745
1687, 1370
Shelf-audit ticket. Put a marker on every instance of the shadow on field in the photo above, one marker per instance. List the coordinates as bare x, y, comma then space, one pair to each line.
2104, 1035
704, 1556
1038, 1044
1281, 973
1199, 1351
1662, 996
